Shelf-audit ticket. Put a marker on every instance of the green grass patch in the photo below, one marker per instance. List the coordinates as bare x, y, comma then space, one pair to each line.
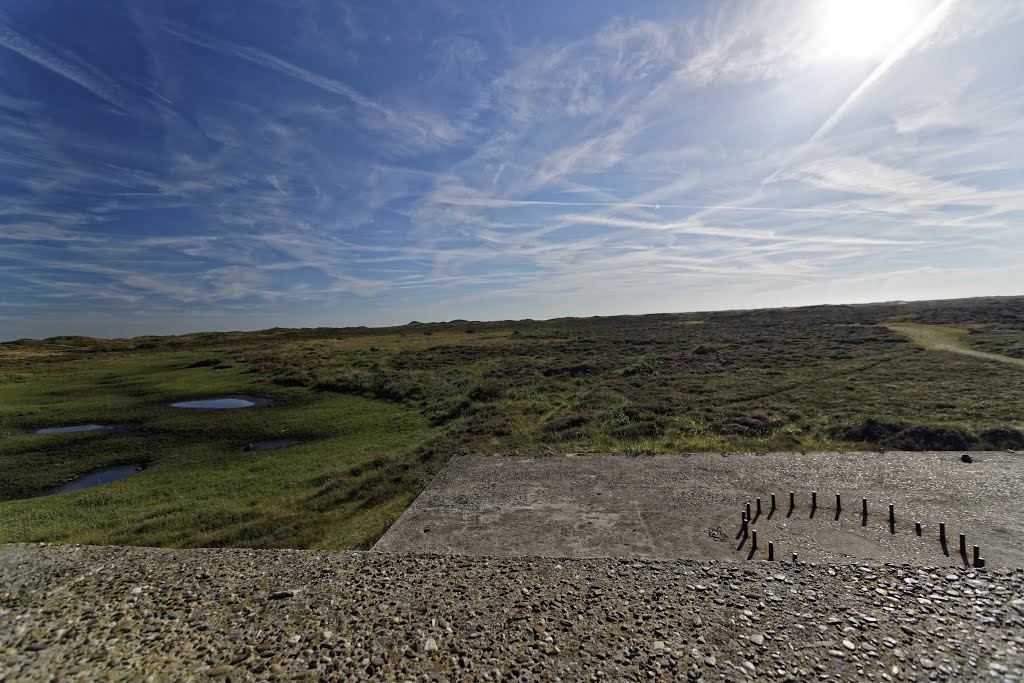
379, 411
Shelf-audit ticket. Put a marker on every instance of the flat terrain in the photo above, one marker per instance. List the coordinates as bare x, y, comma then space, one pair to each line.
376, 413
92, 613
689, 506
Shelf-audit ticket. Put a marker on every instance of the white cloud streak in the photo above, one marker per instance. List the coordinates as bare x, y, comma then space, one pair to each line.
67, 65
430, 130
920, 34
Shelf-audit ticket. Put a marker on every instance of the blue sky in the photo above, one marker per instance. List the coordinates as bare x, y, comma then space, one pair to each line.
172, 166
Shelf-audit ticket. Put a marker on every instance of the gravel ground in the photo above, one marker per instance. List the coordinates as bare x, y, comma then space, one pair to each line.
97, 613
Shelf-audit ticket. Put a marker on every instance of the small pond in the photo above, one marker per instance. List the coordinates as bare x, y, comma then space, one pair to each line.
74, 428
222, 402
104, 476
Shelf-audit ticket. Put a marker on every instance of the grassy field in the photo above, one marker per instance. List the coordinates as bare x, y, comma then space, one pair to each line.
378, 411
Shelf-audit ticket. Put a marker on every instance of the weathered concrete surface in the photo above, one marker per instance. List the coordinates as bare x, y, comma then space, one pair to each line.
689, 506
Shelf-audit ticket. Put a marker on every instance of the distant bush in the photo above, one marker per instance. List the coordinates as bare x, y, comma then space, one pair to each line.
754, 423
569, 370
561, 423
871, 431
641, 367
640, 430
1000, 438
205, 363
486, 391
705, 349
373, 385
294, 379
925, 438
447, 410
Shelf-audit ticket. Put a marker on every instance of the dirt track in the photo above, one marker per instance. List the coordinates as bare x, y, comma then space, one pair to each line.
689, 506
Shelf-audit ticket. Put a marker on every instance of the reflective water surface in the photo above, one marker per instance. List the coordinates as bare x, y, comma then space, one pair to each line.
104, 476
216, 403
73, 428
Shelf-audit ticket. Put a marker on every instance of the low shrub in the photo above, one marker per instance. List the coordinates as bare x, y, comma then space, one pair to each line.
562, 423
926, 438
1002, 438
576, 370
754, 423
205, 363
871, 431
641, 367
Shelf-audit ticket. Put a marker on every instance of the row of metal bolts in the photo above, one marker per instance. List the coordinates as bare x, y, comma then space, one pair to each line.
978, 561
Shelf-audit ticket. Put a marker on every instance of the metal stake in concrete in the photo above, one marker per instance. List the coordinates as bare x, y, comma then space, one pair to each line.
771, 551
748, 511
963, 544
773, 502
758, 507
942, 533
814, 499
864, 507
792, 504
977, 555
839, 503
892, 514
753, 537
794, 558
917, 528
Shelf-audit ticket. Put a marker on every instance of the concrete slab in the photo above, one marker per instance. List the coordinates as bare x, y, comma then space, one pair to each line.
689, 506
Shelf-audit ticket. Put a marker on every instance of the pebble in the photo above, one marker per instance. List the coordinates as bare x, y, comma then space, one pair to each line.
204, 613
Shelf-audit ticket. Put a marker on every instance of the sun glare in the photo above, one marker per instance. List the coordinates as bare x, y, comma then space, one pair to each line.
865, 29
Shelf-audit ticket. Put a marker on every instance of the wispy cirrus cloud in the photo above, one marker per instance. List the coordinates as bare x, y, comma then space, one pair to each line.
455, 166
425, 128
68, 66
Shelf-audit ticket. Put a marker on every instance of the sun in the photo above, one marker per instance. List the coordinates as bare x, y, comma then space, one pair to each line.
865, 29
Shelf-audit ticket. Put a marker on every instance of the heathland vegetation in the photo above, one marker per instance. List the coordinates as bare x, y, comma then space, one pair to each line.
378, 411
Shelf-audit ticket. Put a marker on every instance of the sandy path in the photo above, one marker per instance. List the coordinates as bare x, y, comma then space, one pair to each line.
942, 338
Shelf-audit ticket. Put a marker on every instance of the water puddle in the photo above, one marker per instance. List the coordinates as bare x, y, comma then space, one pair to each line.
222, 402
270, 443
104, 476
74, 428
